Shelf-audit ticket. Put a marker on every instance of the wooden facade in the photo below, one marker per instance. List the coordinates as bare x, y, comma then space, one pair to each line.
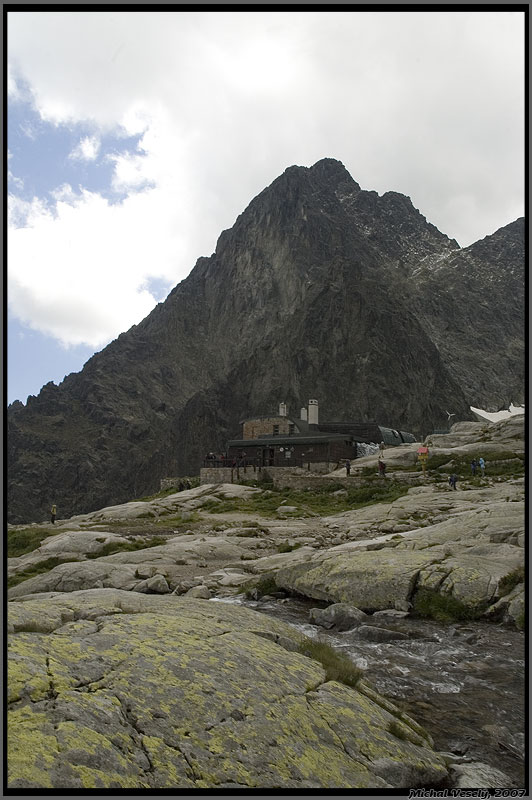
286, 451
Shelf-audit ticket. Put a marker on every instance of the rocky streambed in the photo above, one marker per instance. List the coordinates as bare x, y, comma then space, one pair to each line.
135, 662
464, 683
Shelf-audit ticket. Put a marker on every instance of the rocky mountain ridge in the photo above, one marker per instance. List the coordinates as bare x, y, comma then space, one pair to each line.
320, 289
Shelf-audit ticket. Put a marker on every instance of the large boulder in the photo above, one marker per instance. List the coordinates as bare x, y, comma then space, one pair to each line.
111, 690
455, 557
132, 570
69, 544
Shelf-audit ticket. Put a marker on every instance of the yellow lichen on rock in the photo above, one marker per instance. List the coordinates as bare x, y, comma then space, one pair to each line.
189, 694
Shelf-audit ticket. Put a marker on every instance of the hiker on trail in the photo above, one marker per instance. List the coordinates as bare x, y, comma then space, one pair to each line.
474, 467
347, 467
382, 468
452, 481
381, 449
53, 513
482, 465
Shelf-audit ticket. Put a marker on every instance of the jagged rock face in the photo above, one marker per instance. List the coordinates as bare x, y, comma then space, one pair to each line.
321, 290
471, 303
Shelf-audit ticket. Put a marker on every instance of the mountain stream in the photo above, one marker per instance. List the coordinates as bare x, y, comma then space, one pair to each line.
463, 682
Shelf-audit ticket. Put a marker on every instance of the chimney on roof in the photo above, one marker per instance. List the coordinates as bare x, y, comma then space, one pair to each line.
304, 414
282, 409
312, 412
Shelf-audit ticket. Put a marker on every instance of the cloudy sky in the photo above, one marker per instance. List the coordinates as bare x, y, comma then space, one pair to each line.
136, 137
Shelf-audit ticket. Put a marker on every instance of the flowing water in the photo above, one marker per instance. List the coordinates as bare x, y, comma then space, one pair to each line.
463, 682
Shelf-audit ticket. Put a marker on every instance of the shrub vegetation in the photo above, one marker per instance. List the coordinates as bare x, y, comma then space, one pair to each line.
107, 550
265, 585
37, 569
285, 547
511, 580
319, 500
25, 540
441, 607
397, 730
337, 666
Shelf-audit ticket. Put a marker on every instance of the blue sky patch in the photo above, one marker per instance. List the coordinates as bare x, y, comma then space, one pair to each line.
41, 156
159, 288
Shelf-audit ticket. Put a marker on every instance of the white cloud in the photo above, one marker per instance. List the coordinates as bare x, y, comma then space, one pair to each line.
426, 103
12, 88
80, 271
87, 149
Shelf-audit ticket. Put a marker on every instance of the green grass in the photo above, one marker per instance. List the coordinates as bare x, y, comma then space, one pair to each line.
511, 580
265, 585
177, 520
107, 550
505, 463
37, 569
319, 500
397, 730
287, 548
142, 525
441, 607
337, 666
25, 540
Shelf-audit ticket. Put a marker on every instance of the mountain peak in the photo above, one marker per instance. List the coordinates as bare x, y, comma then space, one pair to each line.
314, 292
326, 171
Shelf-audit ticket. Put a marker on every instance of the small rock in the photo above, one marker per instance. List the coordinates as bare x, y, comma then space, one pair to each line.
390, 612
341, 616
200, 592
184, 586
155, 585
158, 585
374, 634
402, 605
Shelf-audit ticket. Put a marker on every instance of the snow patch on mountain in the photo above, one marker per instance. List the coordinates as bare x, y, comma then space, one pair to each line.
497, 416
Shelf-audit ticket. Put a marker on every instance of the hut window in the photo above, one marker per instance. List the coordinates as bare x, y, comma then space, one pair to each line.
276, 430
291, 429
